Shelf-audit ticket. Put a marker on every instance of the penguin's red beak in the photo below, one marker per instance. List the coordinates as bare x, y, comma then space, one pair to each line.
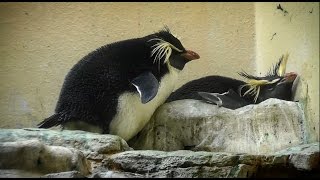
290, 77
190, 55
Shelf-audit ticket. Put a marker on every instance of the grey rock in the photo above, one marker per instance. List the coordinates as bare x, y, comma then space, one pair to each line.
303, 157
255, 129
190, 164
18, 173
34, 156
171, 164
68, 174
116, 174
103, 172
91, 144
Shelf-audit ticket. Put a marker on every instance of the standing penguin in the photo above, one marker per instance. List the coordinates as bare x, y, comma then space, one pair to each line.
232, 93
116, 88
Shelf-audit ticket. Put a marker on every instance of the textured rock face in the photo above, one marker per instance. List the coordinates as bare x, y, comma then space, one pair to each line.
32, 155
91, 145
88, 143
303, 157
36, 158
185, 163
68, 174
191, 124
18, 173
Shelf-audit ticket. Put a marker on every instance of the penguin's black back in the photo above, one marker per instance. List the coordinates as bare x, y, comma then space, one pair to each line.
210, 84
91, 88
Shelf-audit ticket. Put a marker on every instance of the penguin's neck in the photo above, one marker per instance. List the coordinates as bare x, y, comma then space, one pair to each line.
132, 115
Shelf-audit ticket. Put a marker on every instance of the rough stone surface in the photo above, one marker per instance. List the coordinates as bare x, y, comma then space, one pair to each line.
191, 124
186, 163
91, 144
94, 146
68, 174
18, 173
34, 156
116, 174
303, 157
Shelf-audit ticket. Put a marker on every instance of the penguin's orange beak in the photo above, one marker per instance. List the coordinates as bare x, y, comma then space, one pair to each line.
190, 55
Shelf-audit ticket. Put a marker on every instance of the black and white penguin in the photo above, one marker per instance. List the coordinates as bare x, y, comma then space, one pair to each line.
116, 88
232, 93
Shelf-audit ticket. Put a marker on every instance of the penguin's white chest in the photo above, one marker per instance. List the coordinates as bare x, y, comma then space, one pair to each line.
132, 115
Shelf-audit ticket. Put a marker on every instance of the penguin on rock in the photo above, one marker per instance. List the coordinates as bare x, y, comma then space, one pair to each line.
233, 93
116, 88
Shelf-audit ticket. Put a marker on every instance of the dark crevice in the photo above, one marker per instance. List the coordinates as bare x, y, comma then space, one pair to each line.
285, 172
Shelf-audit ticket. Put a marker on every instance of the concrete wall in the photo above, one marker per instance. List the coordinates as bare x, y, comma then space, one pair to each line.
40, 42
294, 30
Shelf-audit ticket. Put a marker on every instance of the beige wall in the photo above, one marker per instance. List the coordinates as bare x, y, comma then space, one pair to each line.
40, 42
297, 32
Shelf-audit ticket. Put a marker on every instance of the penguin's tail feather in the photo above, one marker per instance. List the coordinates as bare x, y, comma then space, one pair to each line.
49, 122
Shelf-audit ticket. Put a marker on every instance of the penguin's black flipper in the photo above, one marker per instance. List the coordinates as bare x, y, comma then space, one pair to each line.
50, 121
229, 99
147, 85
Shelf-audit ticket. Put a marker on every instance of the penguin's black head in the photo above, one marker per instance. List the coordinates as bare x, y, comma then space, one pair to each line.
281, 89
166, 48
276, 84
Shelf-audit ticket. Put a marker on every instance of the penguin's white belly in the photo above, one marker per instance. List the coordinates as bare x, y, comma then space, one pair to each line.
132, 115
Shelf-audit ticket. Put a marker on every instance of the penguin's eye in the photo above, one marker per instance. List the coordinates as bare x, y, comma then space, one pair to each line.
283, 80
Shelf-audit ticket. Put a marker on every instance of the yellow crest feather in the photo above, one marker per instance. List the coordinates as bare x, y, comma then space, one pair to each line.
283, 65
254, 87
254, 83
162, 49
